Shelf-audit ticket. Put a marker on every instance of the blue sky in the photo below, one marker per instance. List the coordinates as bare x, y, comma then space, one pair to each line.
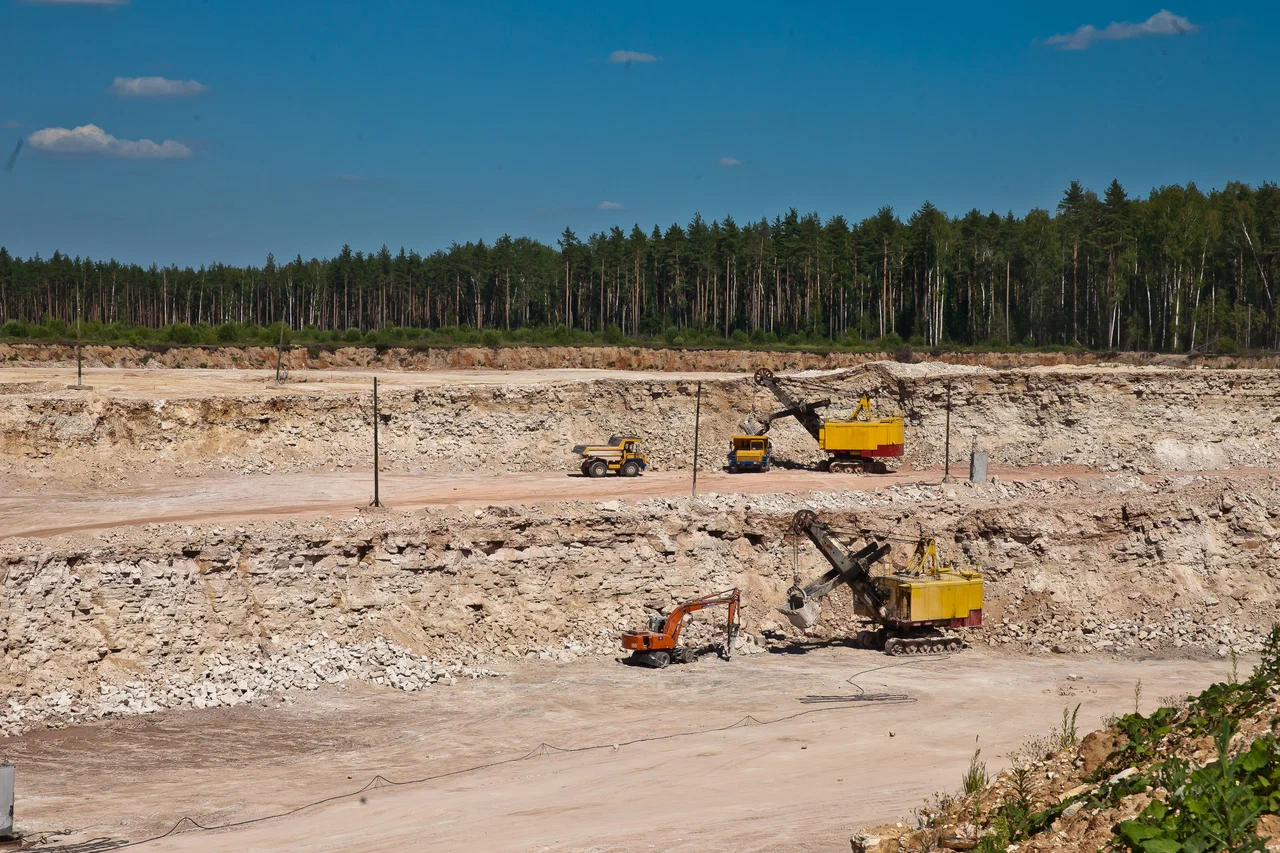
295, 127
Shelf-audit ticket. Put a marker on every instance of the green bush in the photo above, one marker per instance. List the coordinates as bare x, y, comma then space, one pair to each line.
16, 329
180, 333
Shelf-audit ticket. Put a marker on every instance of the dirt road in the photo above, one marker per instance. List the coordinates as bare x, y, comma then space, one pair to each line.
801, 784
153, 384
315, 493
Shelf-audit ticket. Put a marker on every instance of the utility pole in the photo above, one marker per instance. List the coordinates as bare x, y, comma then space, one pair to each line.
375, 502
79, 386
946, 477
280, 355
697, 420
79, 359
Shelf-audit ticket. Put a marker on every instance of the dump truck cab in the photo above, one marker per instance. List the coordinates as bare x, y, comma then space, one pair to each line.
750, 453
624, 455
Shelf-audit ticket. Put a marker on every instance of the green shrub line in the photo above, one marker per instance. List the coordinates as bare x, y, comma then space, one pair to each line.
53, 331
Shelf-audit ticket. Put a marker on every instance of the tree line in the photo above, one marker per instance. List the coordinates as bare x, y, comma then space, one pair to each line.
1179, 270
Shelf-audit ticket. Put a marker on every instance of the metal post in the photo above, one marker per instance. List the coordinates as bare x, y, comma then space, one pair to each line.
79, 386
280, 354
946, 477
697, 420
79, 366
376, 501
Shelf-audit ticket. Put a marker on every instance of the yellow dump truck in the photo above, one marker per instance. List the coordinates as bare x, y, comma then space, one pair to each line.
750, 453
624, 455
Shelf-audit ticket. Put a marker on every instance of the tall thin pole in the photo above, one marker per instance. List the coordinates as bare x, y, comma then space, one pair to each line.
79, 360
376, 501
697, 420
280, 355
946, 478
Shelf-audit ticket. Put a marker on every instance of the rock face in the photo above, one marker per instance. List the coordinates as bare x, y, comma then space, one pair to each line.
1143, 419
182, 614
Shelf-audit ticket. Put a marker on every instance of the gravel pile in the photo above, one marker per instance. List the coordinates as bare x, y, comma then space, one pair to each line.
227, 682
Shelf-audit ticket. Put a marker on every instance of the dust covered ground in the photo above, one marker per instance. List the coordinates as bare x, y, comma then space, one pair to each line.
200, 618
716, 780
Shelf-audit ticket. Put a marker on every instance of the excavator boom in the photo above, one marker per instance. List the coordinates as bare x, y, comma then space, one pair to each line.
805, 412
852, 568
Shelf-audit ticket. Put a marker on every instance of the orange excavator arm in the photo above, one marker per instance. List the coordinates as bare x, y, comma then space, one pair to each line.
661, 644
675, 621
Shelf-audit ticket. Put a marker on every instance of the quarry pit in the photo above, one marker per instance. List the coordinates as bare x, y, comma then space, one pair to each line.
189, 560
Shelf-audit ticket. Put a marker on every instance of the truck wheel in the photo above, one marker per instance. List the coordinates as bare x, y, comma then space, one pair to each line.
764, 467
597, 468
630, 469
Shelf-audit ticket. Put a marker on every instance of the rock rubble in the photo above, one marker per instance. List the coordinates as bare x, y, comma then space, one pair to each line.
223, 681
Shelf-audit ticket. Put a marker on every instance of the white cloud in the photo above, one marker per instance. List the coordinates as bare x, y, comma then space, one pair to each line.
155, 87
610, 205
629, 56
728, 161
13, 125
91, 140
1162, 23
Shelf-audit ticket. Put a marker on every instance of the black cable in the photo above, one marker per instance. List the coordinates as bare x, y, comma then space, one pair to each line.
543, 749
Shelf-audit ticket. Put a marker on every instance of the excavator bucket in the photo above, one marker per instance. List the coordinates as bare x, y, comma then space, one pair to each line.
800, 610
802, 617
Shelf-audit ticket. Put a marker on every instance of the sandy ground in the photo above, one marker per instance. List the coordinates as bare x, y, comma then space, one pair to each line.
801, 784
151, 384
316, 493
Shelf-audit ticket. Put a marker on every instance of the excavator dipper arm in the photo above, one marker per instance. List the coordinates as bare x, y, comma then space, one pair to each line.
675, 620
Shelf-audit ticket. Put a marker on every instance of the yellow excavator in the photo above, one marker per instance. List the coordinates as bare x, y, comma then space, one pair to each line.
856, 445
912, 609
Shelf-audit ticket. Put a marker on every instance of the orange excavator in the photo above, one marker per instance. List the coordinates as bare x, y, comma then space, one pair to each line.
660, 645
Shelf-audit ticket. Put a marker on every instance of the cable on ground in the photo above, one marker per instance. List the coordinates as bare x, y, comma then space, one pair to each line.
188, 823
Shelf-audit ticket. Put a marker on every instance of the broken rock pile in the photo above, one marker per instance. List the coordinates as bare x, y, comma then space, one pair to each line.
225, 682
